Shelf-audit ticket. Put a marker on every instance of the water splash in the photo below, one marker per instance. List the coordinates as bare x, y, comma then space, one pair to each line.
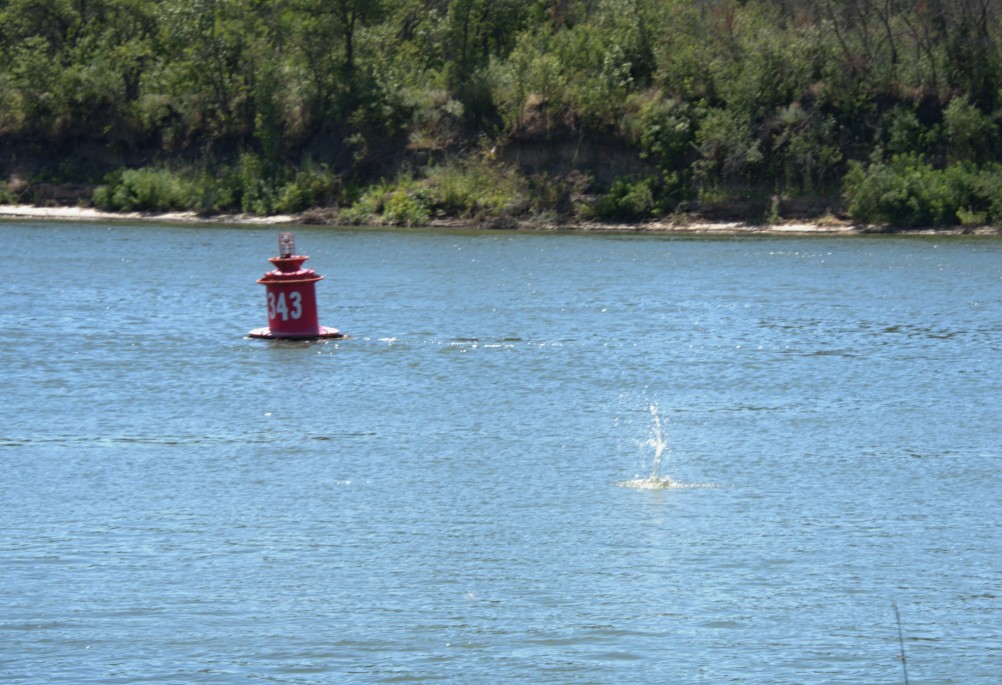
657, 441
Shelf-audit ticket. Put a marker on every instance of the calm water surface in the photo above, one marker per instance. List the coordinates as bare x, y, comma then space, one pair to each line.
436, 499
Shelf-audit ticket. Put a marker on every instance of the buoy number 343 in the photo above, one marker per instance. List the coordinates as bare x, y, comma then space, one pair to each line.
285, 308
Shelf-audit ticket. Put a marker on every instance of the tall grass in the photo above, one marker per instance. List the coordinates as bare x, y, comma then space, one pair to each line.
248, 185
476, 190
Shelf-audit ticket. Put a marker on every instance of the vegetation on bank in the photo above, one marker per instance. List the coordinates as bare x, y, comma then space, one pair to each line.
399, 111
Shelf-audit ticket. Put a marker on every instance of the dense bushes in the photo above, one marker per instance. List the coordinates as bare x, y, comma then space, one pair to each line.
469, 190
937, 173
235, 105
628, 200
247, 186
910, 192
147, 190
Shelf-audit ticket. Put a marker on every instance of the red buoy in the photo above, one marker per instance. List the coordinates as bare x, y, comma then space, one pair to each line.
291, 297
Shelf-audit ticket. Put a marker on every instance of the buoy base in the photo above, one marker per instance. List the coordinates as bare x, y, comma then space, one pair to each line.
324, 332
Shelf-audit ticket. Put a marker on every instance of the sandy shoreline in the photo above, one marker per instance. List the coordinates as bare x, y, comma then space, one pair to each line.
693, 227
90, 214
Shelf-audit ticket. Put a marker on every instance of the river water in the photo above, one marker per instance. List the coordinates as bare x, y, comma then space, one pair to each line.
465, 491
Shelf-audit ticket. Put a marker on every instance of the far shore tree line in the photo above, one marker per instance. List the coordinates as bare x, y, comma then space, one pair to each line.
403, 111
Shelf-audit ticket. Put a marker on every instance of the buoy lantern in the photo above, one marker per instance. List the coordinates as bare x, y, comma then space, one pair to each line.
291, 297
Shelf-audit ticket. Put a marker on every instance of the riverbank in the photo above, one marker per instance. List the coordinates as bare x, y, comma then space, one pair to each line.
91, 214
693, 226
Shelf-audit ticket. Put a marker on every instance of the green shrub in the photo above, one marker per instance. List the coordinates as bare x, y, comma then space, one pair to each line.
627, 200
908, 191
247, 186
403, 203
728, 146
146, 190
368, 208
901, 131
401, 208
310, 188
251, 182
476, 189
663, 128
987, 196
969, 133
803, 154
